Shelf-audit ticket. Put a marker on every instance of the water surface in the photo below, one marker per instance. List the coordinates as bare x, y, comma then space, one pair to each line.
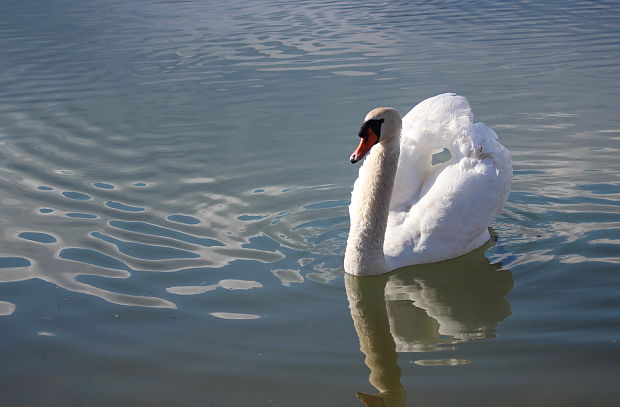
174, 188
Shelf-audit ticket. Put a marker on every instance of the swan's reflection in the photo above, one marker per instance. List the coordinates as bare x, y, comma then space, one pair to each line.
421, 309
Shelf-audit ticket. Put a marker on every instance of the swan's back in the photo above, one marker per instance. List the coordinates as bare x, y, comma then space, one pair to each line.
443, 211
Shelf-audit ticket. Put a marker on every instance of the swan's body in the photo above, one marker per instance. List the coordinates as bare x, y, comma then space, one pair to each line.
406, 211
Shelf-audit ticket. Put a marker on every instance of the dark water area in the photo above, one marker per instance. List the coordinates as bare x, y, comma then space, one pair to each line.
174, 183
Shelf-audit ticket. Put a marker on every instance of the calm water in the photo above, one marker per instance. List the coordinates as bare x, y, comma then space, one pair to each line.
174, 182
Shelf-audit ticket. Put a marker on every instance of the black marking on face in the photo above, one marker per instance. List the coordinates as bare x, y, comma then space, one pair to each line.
374, 124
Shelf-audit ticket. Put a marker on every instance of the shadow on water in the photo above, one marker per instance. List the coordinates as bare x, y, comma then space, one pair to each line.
424, 309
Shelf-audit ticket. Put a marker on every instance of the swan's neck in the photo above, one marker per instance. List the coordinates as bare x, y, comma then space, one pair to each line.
370, 205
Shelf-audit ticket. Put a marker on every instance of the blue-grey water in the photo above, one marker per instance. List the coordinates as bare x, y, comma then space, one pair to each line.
174, 182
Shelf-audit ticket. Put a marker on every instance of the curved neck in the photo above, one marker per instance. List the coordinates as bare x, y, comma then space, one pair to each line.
370, 204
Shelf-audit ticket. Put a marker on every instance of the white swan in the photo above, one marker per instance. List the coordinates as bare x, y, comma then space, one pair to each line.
406, 211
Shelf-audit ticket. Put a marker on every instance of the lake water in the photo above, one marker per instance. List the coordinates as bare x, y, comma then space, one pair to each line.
174, 182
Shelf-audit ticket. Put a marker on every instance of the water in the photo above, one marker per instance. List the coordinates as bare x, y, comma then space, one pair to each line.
174, 181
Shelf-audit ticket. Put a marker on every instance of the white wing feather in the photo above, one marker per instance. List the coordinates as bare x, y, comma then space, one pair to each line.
443, 211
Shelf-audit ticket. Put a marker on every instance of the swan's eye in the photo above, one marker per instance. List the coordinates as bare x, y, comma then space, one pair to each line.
374, 125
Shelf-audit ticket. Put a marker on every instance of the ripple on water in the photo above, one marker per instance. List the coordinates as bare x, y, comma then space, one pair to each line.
233, 315
38, 237
442, 362
124, 207
10, 262
288, 276
246, 218
185, 219
141, 118
154, 230
600, 189
225, 284
79, 215
103, 185
6, 308
327, 204
79, 196
94, 257
146, 251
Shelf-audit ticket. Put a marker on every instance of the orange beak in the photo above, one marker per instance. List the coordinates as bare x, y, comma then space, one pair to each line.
365, 145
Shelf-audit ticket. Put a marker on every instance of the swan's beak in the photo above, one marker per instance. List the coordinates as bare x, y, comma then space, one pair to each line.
368, 140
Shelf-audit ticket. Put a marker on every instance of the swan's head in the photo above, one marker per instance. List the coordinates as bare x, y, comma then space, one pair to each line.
381, 125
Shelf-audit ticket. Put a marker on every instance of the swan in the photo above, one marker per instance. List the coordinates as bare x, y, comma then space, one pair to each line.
404, 210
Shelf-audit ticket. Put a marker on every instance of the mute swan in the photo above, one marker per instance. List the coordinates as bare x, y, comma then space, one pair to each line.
406, 211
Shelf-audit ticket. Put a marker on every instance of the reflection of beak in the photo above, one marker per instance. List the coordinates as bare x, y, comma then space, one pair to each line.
371, 400
369, 140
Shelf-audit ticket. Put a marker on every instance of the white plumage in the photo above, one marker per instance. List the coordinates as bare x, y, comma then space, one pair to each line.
434, 212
